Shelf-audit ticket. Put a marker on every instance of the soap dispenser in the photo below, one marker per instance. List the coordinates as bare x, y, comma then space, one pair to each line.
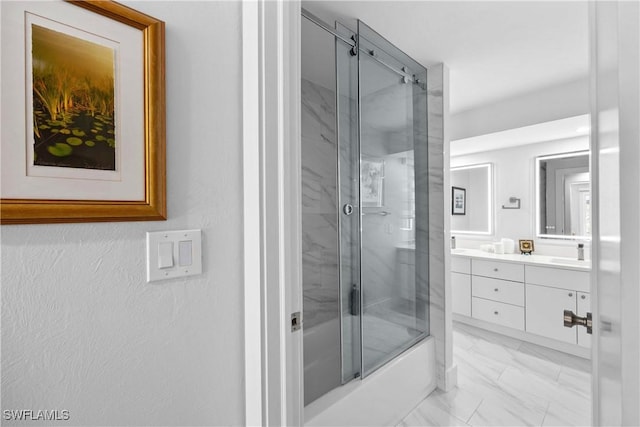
453, 242
580, 251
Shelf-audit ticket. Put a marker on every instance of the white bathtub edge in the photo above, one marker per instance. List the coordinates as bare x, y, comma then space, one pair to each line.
383, 398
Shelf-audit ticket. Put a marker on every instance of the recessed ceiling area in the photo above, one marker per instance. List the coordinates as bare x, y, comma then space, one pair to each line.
571, 127
495, 50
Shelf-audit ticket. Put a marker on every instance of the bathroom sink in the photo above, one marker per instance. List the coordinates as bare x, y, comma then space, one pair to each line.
458, 251
569, 261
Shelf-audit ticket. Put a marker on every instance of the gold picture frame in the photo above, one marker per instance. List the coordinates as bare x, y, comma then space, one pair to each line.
150, 167
526, 246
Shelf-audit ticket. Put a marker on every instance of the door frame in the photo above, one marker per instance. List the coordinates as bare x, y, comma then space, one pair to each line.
614, 36
273, 365
272, 232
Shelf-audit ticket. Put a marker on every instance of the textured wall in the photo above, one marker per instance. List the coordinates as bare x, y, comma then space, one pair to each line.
81, 328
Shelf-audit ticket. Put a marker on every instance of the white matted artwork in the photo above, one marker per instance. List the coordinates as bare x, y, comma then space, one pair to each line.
372, 183
85, 113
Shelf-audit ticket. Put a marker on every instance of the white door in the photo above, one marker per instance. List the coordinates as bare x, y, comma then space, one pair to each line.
615, 71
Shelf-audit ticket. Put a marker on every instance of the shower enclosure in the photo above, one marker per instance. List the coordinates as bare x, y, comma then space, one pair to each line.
365, 203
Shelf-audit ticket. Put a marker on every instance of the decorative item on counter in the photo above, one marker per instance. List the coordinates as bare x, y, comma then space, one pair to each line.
453, 242
487, 248
509, 245
498, 247
526, 246
580, 251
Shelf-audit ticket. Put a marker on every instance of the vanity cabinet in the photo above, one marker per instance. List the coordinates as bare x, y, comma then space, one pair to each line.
461, 285
523, 298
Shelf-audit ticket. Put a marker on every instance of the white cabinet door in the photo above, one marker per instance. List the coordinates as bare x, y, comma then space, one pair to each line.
584, 306
545, 309
461, 293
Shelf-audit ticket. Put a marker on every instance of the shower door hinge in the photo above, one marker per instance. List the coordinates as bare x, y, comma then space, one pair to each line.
296, 321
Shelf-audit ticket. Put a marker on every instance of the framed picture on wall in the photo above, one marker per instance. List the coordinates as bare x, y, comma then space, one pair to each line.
372, 181
84, 134
458, 201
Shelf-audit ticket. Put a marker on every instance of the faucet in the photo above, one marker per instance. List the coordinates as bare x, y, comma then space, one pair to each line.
580, 251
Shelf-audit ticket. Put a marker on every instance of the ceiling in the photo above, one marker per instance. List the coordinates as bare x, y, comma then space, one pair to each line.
571, 127
494, 49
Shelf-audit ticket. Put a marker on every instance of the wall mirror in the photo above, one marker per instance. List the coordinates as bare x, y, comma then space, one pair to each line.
563, 196
472, 199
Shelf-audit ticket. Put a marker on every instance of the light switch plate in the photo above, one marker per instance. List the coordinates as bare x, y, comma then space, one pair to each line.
178, 239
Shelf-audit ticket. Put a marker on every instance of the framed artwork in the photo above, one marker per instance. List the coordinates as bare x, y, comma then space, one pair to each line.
458, 201
84, 133
372, 183
526, 246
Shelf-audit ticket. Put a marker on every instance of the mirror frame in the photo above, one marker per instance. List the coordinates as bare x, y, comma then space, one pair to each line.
491, 212
537, 195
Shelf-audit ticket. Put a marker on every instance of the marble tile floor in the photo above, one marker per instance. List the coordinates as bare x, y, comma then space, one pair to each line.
506, 382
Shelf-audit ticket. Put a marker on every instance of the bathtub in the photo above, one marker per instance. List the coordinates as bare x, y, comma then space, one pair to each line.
384, 397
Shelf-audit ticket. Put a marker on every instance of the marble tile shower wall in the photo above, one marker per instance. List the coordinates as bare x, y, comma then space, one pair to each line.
319, 214
440, 312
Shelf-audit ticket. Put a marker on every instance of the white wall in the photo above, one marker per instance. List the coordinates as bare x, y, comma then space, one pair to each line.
81, 329
514, 175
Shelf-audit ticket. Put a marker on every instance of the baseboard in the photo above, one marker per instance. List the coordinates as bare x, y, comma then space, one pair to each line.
564, 347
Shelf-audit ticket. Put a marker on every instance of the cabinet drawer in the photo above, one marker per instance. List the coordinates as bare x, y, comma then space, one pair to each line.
461, 293
558, 278
498, 313
498, 270
498, 290
461, 264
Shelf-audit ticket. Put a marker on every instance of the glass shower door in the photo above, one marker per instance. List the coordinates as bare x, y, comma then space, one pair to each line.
393, 200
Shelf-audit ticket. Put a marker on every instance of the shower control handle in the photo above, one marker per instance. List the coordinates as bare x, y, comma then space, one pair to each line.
347, 209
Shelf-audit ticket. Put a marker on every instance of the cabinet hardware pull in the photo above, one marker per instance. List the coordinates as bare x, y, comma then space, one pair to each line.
570, 294
495, 312
583, 296
496, 289
495, 269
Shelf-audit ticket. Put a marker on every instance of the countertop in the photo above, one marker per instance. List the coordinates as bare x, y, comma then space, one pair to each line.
539, 260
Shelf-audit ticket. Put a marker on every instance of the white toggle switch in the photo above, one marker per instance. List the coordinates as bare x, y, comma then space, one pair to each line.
165, 254
173, 254
184, 253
